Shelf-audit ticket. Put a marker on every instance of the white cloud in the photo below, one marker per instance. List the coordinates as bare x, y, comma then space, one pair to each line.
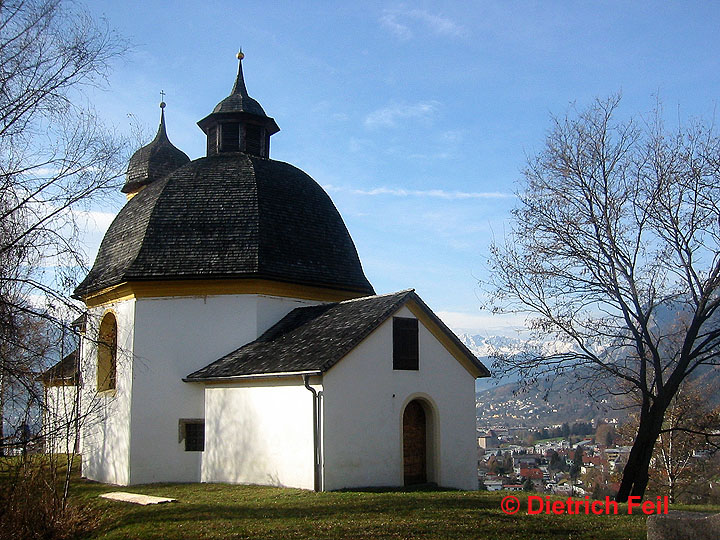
431, 193
390, 116
96, 220
400, 22
510, 325
357, 145
93, 224
389, 19
453, 136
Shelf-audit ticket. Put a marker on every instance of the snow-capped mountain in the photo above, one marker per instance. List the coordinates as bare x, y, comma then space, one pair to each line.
552, 400
484, 347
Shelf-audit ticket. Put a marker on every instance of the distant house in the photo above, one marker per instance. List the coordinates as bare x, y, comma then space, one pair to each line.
584, 443
592, 460
562, 489
532, 474
60, 413
617, 457
493, 485
488, 440
526, 461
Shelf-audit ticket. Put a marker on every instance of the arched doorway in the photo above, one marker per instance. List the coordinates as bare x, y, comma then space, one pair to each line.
414, 443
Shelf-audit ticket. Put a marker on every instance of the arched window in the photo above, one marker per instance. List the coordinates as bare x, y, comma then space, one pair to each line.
107, 354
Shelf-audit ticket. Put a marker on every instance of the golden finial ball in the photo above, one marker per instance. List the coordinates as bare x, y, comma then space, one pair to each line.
240, 55
162, 104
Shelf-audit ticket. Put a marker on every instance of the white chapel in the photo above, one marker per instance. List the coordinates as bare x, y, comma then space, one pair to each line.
231, 334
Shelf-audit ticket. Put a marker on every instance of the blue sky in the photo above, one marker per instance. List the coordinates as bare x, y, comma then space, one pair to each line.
416, 117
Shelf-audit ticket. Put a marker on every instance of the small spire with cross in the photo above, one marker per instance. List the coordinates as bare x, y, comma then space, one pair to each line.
162, 99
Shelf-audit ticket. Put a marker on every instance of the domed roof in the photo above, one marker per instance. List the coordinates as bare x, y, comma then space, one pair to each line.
230, 216
153, 161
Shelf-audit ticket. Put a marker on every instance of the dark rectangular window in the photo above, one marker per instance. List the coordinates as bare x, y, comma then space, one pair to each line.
405, 343
230, 137
193, 432
212, 141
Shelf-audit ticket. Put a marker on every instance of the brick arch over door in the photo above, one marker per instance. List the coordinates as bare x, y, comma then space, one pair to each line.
415, 451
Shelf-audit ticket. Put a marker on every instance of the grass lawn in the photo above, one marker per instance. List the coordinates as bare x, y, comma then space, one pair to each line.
554, 439
225, 511
218, 511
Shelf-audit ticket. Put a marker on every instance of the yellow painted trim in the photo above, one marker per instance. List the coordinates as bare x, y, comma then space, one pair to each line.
442, 337
105, 313
109, 295
213, 287
133, 193
106, 357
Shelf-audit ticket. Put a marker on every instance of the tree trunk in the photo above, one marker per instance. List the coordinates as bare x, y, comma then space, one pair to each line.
635, 474
671, 490
2, 415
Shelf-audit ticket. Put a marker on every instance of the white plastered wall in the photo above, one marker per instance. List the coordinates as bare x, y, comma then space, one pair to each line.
105, 425
174, 337
259, 432
363, 404
59, 419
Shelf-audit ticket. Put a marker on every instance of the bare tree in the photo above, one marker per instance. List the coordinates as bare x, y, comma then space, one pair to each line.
689, 437
56, 157
614, 248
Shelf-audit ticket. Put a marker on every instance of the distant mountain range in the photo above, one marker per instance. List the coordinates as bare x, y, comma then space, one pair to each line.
503, 402
550, 401
483, 347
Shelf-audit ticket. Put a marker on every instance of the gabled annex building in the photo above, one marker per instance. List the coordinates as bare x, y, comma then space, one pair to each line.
231, 334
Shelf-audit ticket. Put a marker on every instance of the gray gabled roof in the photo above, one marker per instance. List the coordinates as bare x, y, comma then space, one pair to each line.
62, 373
315, 338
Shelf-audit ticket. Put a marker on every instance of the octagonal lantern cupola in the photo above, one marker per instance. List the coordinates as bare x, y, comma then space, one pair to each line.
238, 123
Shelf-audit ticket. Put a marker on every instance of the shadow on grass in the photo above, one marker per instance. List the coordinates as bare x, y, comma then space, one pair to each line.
396, 489
212, 511
271, 508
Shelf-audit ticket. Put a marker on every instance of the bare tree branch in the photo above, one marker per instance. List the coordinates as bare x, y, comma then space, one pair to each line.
614, 249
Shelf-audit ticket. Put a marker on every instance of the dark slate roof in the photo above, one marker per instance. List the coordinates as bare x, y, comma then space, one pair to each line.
230, 216
315, 338
80, 323
64, 372
154, 161
239, 106
239, 100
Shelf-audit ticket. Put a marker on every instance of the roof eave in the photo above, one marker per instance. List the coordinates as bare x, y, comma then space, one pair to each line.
231, 378
267, 121
460, 352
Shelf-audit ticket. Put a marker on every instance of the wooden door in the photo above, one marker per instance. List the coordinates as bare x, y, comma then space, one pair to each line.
414, 443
